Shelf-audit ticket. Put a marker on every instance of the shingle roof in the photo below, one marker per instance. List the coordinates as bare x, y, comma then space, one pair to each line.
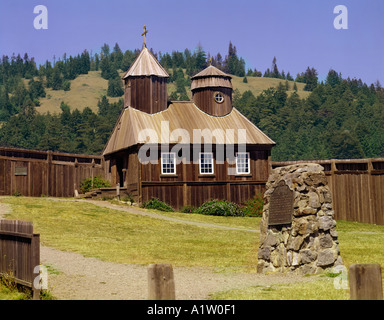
211, 77
186, 116
211, 71
146, 65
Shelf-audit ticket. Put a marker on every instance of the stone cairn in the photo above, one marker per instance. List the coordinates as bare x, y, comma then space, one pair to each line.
308, 243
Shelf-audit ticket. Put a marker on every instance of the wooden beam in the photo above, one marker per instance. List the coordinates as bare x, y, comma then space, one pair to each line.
365, 282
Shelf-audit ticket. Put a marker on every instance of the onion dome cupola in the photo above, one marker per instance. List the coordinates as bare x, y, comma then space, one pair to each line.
146, 83
212, 91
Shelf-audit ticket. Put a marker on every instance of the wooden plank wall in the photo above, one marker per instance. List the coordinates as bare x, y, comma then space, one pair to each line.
189, 187
357, 188
204, 99
45, 173
148, 94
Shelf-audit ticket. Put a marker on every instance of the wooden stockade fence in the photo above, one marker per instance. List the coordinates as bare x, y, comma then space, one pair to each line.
19, 253
357, 188
36, 173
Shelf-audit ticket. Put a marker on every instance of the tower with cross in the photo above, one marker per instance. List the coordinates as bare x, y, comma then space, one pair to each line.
146, 82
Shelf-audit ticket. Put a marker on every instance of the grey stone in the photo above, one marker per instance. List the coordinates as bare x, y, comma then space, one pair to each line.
264, 253
271, 240
308, 256
318, 179
305, 211
326, 241
307, 269
325, 258
333, 233
314, 201
289, 258
294, 243
296, 260
326, 206
326, 223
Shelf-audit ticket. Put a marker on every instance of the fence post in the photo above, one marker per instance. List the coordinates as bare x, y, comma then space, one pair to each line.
365, 282
35, 256
161, 285
118, 191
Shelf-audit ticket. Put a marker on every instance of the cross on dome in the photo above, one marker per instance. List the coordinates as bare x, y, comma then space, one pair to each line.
145, 35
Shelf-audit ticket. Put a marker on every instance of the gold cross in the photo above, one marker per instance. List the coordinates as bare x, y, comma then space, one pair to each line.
145, 35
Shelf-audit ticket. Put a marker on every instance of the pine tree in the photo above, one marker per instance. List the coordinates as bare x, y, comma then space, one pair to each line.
115, 87
310, 78
275, 70
56, 79
333, 78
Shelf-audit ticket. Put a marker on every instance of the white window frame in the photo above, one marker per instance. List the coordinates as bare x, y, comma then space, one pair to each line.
248, 163
212, 163
174, 163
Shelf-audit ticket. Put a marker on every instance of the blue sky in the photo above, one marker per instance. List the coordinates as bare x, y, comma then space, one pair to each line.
300, 33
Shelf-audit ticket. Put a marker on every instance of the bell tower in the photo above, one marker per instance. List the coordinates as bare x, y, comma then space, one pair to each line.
212, 91
146, 82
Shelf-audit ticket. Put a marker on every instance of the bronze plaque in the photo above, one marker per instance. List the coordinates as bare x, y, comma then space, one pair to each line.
281, 206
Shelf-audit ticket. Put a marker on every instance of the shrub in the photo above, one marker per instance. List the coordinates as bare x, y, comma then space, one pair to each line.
220, 208
128, 198
98, 182
66, 85
188, 209
254, 207
156, 204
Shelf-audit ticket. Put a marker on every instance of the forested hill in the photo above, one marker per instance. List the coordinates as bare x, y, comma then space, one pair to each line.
337, 118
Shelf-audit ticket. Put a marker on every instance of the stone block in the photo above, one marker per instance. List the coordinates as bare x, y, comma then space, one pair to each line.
326, 223
308, 256
326, 258
326, 241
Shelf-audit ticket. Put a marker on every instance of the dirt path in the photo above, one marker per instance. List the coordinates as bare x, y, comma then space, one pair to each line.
81, 278
72, 276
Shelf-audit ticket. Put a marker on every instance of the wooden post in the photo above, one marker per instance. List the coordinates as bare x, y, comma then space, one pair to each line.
35, 256
118, 191
365, 282
161, 285
49, 178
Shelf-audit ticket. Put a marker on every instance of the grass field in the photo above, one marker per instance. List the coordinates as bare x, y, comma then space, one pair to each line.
87, 90
258, 84
118, 236
122, 237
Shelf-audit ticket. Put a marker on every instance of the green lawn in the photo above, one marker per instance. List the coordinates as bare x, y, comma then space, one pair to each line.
118, 236
128, 238
320, 289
